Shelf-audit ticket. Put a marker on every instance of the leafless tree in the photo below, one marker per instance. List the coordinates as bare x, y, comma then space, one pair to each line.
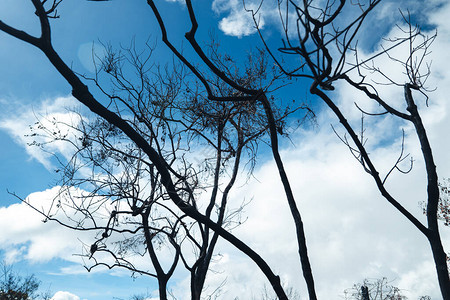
131, 179
324, 41
242, 94
377, 289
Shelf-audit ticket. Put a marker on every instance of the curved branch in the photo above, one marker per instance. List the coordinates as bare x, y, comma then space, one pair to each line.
377, 98
365, 156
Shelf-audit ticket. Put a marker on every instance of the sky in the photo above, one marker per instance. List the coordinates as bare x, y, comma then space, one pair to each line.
352, 232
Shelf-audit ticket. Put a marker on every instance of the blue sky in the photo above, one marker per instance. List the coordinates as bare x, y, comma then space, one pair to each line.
352, 233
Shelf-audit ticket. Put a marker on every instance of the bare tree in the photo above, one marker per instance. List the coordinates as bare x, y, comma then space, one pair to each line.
377, 289
131, 176
242, 94
319, 34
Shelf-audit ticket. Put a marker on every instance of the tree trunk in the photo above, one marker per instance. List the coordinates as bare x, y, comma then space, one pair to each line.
301, 237
196, 286
162, 286
440, 261
440, 258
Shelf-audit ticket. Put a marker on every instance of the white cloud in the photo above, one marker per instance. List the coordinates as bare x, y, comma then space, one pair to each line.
238, 21
351, 232
62, 295
412, 282
26, 236
22, 126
